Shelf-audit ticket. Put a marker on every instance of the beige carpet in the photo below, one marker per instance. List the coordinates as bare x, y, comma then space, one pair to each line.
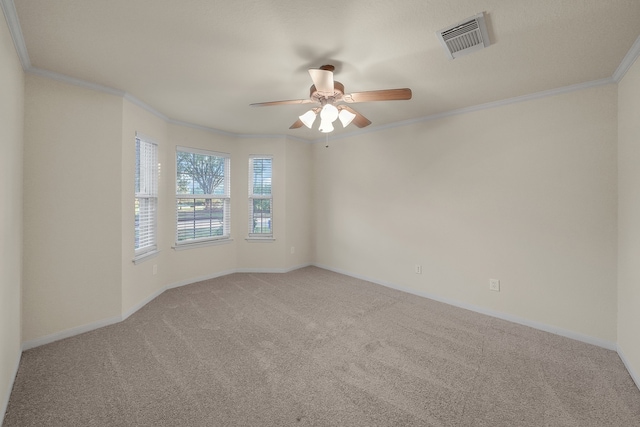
315, 348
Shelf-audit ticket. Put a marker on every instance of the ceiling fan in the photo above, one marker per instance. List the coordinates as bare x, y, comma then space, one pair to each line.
329, 95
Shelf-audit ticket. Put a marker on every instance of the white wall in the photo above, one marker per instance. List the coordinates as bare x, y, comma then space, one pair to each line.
524, 193
72, 207
11, 190
79, 209
455, 195
188, 265
536, 194
252, 255
629, 219
299, 210
291, 210
138, 280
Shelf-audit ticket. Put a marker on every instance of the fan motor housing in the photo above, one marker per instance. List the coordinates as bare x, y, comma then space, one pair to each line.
338, 91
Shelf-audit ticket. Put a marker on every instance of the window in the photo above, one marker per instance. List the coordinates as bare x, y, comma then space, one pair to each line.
203, 196
260, 197
146, 197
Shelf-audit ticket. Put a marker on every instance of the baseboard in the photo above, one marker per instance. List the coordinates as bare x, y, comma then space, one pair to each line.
199, 279
271, 270
67, 333
297, 267
5, 402
142, 303
504, 316
179, 284
632, 373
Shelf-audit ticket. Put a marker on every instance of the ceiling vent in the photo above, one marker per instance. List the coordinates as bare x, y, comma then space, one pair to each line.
464, 37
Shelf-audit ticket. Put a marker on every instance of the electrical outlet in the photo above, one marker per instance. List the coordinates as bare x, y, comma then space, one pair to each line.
494, 285
293, 250
155, 269
418, 269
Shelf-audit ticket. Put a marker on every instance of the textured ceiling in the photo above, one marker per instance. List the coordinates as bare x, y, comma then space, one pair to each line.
204, 61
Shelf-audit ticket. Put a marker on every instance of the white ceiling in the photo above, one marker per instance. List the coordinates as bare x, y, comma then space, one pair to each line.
204, 61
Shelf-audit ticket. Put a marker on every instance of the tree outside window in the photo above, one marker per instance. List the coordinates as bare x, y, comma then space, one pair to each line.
260, 196
203, 195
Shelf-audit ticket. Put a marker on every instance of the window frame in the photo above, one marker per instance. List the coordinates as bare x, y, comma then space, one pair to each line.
225, 197
146, 178
254, 196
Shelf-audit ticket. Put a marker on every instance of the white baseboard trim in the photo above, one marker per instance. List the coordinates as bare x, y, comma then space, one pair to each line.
504, 316
179, 284
634, 376
271, 270
203, 278
5, 402
258, 270
199, 279
141, 304
67, 333
297, 267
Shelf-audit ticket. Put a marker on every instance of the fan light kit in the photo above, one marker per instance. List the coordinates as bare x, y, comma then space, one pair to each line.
329, 94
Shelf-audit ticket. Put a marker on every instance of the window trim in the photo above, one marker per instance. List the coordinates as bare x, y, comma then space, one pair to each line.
209, 240
202, 244
149, 251
258, 237
145, 256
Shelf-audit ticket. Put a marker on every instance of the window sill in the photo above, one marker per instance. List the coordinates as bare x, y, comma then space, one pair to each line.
145, 256
260, 239
185, 246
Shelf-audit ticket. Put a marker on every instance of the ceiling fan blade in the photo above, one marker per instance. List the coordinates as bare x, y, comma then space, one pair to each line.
359, 120
323, 81
379, 95
297, 124
289, 102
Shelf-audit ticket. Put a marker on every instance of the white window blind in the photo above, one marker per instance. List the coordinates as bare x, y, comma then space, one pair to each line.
203, 196
146, 196
260, 196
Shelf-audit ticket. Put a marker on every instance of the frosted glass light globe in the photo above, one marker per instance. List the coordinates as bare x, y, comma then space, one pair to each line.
326, 126
346, 117
329, 113
308, 118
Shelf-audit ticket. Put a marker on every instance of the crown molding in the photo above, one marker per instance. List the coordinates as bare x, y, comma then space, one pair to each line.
125, 95
270, 136
132, 99
13, 23
11, 16
200, 127
474, 108
627, 61
75, 81
297, 138
235, 135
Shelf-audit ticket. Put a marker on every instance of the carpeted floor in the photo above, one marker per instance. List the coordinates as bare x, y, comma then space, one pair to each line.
315, 348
